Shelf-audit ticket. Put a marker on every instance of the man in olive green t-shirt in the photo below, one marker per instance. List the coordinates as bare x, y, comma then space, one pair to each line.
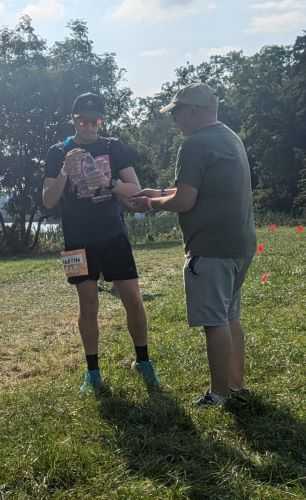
213, 198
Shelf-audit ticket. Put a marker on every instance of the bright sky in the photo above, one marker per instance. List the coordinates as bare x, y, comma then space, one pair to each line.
153, 37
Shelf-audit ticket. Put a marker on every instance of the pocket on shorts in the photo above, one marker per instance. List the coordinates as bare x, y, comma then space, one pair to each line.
241, 267
192, 265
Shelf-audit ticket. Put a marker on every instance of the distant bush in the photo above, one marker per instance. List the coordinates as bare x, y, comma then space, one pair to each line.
51, 239
160, 226
156, 227
141, 229
265, 217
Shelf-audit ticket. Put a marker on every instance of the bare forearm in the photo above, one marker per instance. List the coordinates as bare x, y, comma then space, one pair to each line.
168, 203
126, 189
52, 192
182, 199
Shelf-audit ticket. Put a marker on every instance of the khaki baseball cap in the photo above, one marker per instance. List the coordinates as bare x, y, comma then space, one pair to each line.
195, 94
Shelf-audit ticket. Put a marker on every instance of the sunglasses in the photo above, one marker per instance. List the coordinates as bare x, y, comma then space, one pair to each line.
94, 122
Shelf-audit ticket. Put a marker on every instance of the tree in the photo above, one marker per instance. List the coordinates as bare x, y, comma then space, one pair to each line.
263, 98
37, 87
23, 69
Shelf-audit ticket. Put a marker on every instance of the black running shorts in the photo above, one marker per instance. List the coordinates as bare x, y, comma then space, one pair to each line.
114, 259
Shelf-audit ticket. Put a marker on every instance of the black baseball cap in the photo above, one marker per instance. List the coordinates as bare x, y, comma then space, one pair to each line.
88, 104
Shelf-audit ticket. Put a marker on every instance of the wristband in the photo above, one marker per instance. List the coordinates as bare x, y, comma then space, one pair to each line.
163, 192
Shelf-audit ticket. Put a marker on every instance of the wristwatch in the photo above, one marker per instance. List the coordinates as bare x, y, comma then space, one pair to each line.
163, 192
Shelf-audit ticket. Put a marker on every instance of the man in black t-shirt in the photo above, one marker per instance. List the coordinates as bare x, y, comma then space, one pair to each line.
86, 174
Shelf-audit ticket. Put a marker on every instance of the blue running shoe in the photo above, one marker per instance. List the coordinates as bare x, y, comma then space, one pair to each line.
147, 372
92, 384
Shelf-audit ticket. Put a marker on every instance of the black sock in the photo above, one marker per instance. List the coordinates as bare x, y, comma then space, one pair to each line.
92, 361
141, 353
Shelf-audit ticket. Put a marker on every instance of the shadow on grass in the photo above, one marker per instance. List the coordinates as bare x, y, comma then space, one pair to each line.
160, 441
149, 297
277, 435
111, 290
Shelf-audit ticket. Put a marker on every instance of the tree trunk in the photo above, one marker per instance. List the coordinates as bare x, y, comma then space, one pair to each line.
28, 231
2, 223
35, 241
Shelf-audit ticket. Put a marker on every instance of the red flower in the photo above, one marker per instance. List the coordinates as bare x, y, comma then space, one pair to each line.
264, 278
272, 228
260, 248
299, 229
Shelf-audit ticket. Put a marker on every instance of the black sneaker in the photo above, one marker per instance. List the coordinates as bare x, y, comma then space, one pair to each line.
209, 399
240, 394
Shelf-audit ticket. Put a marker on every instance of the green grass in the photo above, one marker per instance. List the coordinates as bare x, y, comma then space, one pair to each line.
136, 446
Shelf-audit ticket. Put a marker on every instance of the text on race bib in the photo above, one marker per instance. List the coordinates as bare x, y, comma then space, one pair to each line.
75, 263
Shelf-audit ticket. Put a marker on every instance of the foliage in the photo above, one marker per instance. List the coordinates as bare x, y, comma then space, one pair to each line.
37, 87
262, 97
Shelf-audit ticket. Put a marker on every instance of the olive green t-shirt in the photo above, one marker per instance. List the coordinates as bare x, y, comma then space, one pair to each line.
221, 224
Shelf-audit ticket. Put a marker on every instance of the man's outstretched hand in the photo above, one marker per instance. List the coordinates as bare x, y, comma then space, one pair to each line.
140, 203
149, 193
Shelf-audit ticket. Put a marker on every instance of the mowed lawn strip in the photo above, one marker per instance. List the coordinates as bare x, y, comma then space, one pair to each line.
135, 445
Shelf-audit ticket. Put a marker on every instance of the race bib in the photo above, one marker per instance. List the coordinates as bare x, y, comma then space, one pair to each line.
75, 263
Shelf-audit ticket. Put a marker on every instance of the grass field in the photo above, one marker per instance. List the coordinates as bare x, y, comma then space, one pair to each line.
132, 445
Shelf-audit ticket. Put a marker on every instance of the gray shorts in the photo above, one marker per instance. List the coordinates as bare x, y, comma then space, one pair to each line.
213, 289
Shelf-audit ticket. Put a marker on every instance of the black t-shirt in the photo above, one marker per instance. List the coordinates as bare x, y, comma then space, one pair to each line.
90, 215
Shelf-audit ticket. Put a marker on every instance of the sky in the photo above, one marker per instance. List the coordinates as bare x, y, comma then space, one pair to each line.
153, 37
